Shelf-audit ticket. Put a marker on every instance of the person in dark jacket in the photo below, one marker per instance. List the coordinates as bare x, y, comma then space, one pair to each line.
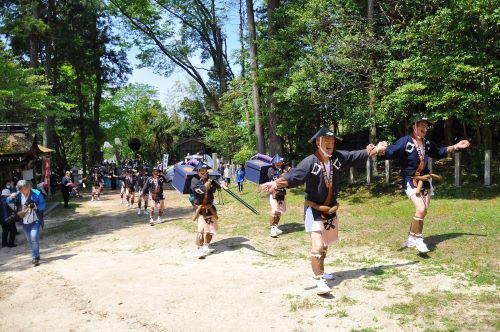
142, 178
276, 197
154, 188
321, 174
413, 152
203, 189
66, 187
8, 220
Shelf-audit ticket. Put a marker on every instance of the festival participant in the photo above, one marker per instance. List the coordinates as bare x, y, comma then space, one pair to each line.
203, 189
113, 175
96, 184
123, 187
277, 196
413, 152
31, 205
154, 187
321, 174
240, 176
142, 196
130, 183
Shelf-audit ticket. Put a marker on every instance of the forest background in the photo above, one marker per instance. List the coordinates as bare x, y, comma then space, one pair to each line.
360, 67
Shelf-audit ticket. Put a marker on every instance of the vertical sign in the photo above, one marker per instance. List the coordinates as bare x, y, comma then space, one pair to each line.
46, 171
164, 164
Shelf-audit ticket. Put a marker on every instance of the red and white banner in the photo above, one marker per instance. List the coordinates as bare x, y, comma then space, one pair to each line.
46, 171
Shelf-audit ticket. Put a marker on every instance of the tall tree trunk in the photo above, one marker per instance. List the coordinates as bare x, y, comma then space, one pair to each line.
242, 61
49, 123
448, 131
81, 109
275, 141
96, 110
242, 41
34, 35
259, 133
61, 153
371, 87
98, 72
487, 136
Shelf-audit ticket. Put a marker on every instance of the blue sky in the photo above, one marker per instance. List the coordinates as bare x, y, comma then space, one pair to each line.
168, 91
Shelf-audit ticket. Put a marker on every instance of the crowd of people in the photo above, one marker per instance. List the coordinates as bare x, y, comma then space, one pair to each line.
320, 172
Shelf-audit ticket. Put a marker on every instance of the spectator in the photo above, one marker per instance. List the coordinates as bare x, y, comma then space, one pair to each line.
228, 174
41, 188
30, 204
240, 176
53, 183
10, 186
66, 187
8, 219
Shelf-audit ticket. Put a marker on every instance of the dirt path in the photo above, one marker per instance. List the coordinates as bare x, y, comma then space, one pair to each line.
114, 272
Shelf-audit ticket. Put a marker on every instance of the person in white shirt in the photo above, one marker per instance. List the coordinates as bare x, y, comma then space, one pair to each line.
227, 174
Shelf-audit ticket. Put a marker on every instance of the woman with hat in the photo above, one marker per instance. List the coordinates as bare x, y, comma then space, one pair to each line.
321, 174
277, 196
413, 152
203, 189
30, 205
154, 187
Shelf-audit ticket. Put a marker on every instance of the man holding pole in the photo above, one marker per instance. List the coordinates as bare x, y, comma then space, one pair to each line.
205, 216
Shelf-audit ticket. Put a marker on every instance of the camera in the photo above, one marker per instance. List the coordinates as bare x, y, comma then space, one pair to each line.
30, 204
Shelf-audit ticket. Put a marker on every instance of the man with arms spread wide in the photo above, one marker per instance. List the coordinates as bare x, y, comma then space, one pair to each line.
321, 174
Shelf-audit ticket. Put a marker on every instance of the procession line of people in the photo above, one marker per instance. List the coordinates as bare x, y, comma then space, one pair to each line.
320, 172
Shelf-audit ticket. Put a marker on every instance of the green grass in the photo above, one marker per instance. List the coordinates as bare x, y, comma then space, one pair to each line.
444, 310
298, 303
346, 300
338, 313
461, 227
143, 248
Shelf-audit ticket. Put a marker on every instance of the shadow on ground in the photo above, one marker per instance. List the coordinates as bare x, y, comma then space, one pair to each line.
358, 273
235, 243
433, 240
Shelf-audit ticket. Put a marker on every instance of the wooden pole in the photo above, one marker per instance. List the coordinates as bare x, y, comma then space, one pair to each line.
351, 175
487, 167
214, 161
368, 171
457, 169
387, 171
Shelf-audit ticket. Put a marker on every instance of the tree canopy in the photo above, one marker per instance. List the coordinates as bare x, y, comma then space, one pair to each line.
358, 66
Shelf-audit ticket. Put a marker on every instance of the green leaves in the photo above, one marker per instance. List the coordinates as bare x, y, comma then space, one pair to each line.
23, 94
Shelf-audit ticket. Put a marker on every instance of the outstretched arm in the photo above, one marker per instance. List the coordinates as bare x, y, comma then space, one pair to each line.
293, 178
462, 145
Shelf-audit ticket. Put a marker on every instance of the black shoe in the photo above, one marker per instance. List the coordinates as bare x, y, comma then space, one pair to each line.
12, 245
36, 261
